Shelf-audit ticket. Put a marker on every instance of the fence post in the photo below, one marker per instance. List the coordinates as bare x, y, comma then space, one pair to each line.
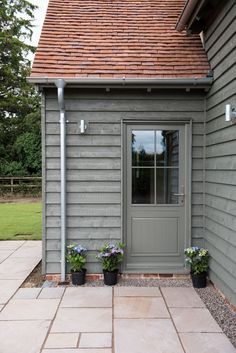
12, 188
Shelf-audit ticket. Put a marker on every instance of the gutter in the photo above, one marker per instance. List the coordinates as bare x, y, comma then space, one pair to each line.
170, 83
60, 83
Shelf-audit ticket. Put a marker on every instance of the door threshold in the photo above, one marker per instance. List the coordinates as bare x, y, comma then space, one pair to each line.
184, 275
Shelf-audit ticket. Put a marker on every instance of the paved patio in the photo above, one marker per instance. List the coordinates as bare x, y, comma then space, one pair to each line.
98, 319
109, 320
17, 260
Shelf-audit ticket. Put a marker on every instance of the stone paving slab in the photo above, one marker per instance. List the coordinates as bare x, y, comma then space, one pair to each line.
27, 293
51, 293
31, 309
17, 268
83, 320
4, 254
11, 244
28, 250
22, 336
78, 350
7, 289
137, 292
87, 297
182, 297
95, 340
146, 335
140, 307
62, 340
206, 343
194, 320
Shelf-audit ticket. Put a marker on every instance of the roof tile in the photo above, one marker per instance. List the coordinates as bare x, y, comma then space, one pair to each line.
117, 38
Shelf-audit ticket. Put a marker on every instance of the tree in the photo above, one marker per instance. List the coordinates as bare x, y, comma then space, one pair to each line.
19, 101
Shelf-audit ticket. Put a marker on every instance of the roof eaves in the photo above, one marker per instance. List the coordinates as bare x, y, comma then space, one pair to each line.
199, 83
189, 14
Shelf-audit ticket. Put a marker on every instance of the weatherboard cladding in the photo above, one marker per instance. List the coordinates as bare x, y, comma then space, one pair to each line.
94, 163
117, 38
220, 223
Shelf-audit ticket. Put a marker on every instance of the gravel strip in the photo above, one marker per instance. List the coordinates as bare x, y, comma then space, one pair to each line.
222, 312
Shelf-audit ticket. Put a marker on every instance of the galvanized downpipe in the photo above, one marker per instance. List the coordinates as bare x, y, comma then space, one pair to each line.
60, 83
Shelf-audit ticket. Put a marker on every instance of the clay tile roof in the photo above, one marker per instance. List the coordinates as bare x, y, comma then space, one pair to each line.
117, 38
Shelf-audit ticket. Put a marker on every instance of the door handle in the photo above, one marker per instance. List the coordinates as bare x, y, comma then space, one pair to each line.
181, 195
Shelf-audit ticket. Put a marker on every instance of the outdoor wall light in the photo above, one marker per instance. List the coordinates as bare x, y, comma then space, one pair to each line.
83, 126
230, 113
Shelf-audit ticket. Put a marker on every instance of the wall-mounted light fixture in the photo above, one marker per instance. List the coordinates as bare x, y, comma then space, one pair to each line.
83, 126
230, 113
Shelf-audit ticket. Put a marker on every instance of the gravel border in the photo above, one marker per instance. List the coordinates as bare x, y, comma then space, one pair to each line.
224, 315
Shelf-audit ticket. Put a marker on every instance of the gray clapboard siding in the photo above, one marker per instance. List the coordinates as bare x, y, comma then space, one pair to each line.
221, 136
227, 235
92, 152
89, 175
225, 247
124, 105
221, 163
86, 186
86, 210
72, 197
221, 177
86, 163
220, 17
221, 190
94, 117
94, 163
93, 128
85, 233
88, 221
225, 77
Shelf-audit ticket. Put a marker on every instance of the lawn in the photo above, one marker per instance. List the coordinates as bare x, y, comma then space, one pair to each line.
20, 221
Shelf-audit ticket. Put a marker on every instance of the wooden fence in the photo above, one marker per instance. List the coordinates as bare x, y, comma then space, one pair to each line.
13, 185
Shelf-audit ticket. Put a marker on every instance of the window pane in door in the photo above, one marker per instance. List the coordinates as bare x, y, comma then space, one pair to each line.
167, 148
143, 185
143, 148
167, 184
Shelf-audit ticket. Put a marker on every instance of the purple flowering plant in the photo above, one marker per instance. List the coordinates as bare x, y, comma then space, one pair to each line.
197, 258
111, 255
76, 257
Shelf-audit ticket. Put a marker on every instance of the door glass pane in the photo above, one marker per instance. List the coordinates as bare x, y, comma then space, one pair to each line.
167, 184
167, 148
143, 148
143, 185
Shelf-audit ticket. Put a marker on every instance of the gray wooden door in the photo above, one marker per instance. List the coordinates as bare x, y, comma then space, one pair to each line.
155, 188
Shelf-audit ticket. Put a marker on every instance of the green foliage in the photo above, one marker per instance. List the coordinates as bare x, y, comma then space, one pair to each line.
197, 258
19, 101
76, 257
111, 256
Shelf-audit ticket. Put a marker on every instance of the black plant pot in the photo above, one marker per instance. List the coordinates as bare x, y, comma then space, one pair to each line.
78, 278
110, 278
199, 280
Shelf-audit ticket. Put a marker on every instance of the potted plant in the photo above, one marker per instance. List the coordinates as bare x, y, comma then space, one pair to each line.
198, 259
76, 257
111, 255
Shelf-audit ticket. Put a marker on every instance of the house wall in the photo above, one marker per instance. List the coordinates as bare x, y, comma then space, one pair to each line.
220, 198
94, 163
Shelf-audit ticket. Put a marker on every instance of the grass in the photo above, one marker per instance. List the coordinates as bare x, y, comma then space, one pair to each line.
20, 221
